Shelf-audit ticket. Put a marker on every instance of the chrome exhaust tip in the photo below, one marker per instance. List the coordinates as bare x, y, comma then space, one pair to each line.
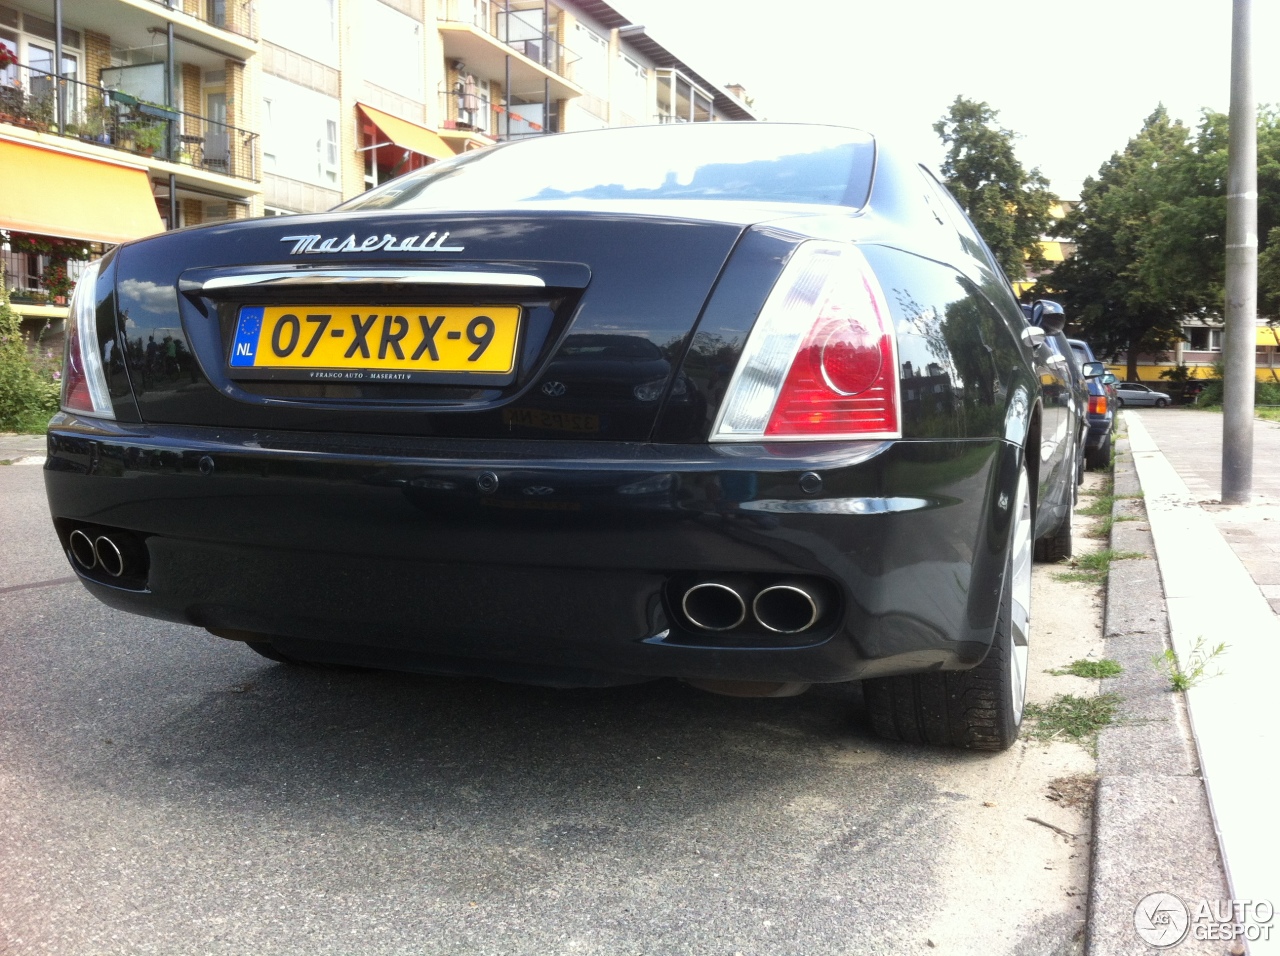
714, 606
786, 608
82, 550
110, 557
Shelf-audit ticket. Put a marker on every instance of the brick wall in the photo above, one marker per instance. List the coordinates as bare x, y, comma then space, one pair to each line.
191, 89
97, 55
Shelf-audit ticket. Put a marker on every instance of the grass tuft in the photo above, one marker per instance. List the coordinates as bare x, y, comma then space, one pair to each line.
1092, 568
1084, 668
1184, 677
1077, 718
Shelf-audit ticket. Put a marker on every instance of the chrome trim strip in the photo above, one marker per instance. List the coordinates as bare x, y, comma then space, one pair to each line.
308, 277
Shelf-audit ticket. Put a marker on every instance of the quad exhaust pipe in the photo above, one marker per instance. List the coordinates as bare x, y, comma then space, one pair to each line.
114, 554
715, 605
785, 607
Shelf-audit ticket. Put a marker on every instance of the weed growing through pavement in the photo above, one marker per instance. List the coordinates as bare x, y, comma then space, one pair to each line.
1103, 528
1067, 715
1197, 666
1092, 568
1083, 668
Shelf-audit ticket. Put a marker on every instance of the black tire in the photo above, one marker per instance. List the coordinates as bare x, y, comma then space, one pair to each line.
1057, 546
1100, 457
1161, 403
977, 709
1119, 402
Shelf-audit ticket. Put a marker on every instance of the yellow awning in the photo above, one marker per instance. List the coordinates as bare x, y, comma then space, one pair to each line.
410, 136
1268, 335
59, 194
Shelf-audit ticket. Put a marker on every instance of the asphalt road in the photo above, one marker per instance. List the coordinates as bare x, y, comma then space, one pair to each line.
166, 791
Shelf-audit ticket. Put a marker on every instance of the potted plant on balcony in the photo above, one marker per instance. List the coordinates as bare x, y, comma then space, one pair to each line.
38, 110
56, 281
147, 138
97, 118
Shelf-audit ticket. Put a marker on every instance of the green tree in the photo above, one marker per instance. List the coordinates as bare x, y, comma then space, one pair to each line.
1107, 287
1008, 204
1185, 247
28, 392
1150, 234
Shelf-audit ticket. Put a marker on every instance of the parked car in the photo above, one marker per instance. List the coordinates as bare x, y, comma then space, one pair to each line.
1135, 393
749, 405
1101, 412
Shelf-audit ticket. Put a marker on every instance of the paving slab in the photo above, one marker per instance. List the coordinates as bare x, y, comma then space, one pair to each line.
1213, 600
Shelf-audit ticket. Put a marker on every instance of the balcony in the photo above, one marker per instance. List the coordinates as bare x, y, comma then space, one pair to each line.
222, 14
680, 100
38, 101
477, 119
207, 33
500, 44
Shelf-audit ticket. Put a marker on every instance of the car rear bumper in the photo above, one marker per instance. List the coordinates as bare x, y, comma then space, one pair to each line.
1099, 429
560, 562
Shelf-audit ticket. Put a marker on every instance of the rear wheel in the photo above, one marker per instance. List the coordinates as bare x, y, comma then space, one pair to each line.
981, 708
1100, 457
1057, 546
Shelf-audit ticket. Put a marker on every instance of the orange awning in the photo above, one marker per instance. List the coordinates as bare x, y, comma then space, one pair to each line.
59, 194
410, 136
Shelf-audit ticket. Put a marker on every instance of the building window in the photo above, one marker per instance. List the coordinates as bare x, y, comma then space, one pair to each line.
1200, 339
31, 40
591, 69
268, 137
331, 150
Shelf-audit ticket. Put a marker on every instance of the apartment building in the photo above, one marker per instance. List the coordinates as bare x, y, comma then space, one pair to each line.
168, 113
118, 118
355, 92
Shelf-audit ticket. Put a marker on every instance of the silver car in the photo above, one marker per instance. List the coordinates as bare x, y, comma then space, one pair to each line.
1135, 393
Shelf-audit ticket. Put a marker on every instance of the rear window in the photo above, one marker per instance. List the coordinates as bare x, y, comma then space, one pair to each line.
754, 162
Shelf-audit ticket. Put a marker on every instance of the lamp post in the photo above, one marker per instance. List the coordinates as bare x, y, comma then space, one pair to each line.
1239, 348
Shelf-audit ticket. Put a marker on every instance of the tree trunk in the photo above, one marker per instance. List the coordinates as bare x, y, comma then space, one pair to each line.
1131, 358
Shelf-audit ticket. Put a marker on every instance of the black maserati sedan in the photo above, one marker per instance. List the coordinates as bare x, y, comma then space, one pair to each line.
747, 405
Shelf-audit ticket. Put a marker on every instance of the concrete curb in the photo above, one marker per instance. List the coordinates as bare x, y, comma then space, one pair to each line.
1152, 828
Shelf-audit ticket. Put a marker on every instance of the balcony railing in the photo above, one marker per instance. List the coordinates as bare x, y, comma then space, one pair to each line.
216, 13
476, 114
24, 276
522, 30
472, 114
115, 120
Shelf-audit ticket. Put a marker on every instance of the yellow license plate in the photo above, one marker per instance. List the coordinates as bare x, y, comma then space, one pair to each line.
400, 338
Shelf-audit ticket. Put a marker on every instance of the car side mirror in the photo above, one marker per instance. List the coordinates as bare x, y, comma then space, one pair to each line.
1094, 369
1049, 315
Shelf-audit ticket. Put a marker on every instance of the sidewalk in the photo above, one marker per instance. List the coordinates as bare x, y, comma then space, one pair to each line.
1220, 567
15, 447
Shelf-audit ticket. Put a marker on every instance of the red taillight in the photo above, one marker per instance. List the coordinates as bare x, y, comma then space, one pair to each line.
843, 378
75, 383
84, 381
1097, 404
820, 361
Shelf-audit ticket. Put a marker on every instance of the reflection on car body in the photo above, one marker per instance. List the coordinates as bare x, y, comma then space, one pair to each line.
749, 405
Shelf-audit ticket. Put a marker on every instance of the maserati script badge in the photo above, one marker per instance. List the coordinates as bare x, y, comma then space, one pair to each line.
434, 242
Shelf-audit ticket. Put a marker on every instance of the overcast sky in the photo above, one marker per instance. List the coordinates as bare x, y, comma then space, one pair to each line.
1075, 79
